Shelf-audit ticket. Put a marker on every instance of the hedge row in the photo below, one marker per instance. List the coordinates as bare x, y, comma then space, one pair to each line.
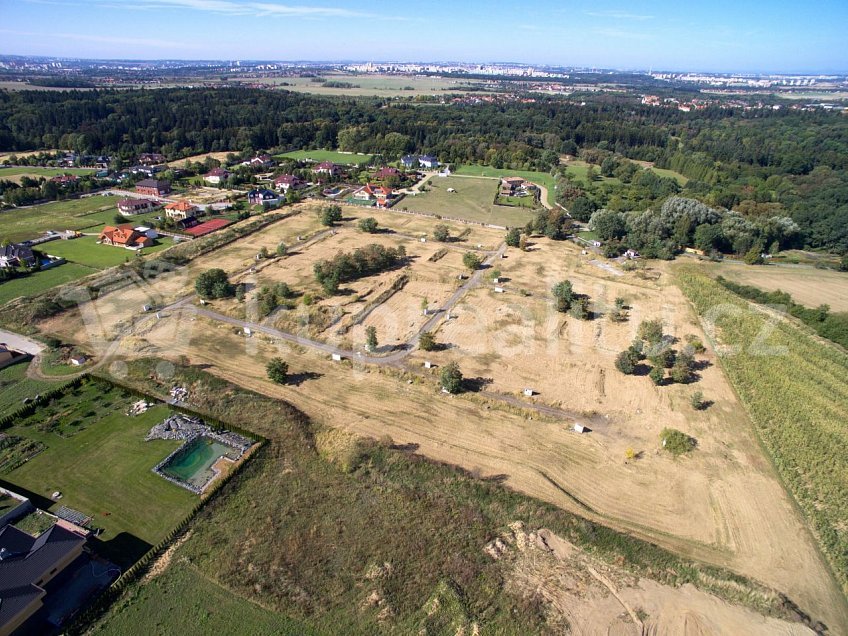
29, 408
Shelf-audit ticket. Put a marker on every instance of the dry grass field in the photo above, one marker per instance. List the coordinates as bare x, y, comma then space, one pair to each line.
723, 504
807, 285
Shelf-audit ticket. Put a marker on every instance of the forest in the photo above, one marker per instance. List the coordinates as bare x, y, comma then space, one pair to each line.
762, 162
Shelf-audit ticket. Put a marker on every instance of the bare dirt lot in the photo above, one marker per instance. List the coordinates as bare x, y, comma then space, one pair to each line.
807, 285
723, 504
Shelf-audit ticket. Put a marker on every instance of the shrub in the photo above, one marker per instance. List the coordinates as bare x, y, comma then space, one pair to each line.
451, 378
214, 283
624, 362
282, 249
368, 225
513, 237
371, 337
657, 374
441, 233
697, 401
695, 342
563, 293
676, 442
330, 215
471, 261
277, 370
651, 331
427, 341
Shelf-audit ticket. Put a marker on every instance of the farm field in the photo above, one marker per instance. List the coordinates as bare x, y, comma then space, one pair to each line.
317, 156
15, 174
727, 507
15, 386
374, 85
86, 251
19, 224
40, 281
6, 154
807, 285
542, 178
103, 466
472, 201
220, 156
796, 393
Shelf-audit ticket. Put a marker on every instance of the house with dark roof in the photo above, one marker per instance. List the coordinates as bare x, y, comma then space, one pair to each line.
327, 167
259, 161
386, 172
428, 161
153, 187
286, 181
263, 197
216, 176
151, 158
129, 207
17, 255
27, 564
409, 161
65, 179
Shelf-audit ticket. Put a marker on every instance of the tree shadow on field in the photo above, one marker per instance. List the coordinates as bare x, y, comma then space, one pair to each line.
123, 550
411, 447
642, 369
497, 479
296, 379
475, 385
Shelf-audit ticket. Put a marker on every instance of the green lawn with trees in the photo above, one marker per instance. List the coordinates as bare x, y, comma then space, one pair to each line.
40, 281
317, 156
18, 224
86, 251
15, 386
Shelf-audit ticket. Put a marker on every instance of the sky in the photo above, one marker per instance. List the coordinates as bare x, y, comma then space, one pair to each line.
781, 36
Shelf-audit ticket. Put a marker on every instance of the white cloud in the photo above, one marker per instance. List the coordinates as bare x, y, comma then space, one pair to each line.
259, 9
107, 39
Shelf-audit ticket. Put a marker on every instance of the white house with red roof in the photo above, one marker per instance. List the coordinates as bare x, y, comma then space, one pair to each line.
328, 168
216, 176
286, 181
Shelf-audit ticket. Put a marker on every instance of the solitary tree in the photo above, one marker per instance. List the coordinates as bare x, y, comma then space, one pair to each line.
451, 378
371, 337
697, 401
213, 283
330, 215
368, 225
676, 442
471, 261
427, 341
277, 370
563, 295
625, 363
263, 252
282, 249
513, 237
441, 233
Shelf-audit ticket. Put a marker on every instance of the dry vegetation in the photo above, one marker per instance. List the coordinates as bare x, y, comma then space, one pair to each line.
723, 504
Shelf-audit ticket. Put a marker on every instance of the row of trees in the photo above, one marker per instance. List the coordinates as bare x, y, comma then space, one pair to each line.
363, 261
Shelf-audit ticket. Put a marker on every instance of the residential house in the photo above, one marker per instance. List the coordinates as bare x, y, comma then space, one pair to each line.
180, 210
129, 207
511, 186
17, 255
27, 564
146, 230
263, 197
409, 161
153, 188
387, 172
151, 158
124, 236
216, 176
259, 161
286, 181
328, 168
65, 179
428, 161
376, 194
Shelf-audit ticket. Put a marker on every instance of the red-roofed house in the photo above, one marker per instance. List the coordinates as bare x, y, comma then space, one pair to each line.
286, 181
65, 179
216, 176
180, 210
124, 236
327, 167
381, 195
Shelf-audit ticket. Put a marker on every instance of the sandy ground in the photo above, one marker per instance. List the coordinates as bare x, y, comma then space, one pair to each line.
596, 598
723, 504
807, 285
220, 156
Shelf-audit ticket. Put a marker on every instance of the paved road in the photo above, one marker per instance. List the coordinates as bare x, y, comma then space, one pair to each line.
21, 343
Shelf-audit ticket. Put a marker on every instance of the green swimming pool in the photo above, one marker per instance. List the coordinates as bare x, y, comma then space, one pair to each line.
194, 463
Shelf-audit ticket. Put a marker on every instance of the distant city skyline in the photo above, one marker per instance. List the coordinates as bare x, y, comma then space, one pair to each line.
726, 37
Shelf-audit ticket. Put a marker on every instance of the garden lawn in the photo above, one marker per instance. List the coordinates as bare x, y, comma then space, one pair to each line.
472, 201
540, 178
15, 386
188, 602
342, 158
38, 282
104, 470
19, 224
86, 251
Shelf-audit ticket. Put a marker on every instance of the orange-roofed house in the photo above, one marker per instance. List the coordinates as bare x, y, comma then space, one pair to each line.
180, 210
381, 195
124, 236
